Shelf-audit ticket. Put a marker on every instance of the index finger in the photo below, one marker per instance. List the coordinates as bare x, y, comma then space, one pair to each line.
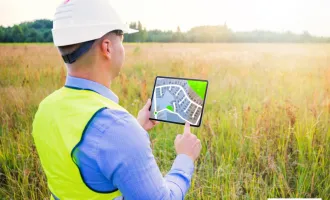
186, 128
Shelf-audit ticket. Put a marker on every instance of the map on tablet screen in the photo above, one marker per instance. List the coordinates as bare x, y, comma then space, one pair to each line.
178, 100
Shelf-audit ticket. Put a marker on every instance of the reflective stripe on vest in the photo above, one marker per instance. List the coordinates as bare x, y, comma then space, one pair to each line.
58, 128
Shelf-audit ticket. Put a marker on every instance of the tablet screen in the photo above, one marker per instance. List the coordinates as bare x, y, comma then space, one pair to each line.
178, 100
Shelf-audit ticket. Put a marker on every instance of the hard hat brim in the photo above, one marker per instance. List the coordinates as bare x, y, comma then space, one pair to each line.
130, 31
73, 35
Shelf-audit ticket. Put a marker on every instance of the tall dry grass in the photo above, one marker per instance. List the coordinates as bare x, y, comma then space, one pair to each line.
265, 130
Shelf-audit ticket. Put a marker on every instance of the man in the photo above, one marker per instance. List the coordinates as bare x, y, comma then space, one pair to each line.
89, 146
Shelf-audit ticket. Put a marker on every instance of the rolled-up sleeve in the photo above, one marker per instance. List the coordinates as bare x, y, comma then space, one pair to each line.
125, 158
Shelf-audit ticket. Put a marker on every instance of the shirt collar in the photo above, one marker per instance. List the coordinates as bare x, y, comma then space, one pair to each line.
85, 84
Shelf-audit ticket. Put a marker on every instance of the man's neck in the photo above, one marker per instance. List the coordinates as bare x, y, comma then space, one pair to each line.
101, 79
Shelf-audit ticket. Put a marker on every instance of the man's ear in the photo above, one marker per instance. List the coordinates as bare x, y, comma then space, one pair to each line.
106, 48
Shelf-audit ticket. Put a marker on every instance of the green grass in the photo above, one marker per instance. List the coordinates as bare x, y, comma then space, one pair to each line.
199, 87
265, 130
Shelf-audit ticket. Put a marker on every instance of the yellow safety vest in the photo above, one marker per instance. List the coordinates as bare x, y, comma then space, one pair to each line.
58, 128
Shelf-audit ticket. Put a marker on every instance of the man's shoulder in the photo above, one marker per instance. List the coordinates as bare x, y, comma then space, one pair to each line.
118, 127
51, 97
111, 119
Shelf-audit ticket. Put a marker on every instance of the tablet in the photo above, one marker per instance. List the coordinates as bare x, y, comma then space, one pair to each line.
178, 100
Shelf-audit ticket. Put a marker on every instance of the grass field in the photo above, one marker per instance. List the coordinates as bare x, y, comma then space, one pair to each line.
265, 130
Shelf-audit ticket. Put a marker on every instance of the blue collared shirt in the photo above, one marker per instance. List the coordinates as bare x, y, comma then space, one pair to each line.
115, 154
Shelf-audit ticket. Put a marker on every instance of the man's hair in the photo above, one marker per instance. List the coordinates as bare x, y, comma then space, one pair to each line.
65, 50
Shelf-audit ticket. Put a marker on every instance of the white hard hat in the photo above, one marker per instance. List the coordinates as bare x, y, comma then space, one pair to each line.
77, 21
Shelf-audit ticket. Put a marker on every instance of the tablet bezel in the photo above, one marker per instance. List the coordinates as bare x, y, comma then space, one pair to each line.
172, 122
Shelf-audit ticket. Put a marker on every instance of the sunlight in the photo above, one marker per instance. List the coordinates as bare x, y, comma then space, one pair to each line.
294, 15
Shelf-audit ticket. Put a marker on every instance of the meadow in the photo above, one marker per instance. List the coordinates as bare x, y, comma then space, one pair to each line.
266, 125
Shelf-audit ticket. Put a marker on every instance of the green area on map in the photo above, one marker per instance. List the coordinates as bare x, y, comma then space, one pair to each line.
199, 87
170, 108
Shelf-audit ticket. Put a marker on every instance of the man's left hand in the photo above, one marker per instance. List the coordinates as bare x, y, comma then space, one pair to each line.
143, 117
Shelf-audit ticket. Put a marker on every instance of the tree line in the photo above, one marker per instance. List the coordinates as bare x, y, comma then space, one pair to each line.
40, 31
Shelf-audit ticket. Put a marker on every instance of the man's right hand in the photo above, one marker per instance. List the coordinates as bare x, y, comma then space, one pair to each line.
187, 143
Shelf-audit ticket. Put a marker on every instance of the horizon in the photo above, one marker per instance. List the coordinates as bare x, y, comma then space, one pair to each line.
280, 16
233, 31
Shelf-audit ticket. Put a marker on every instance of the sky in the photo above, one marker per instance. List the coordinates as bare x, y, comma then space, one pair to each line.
240, 15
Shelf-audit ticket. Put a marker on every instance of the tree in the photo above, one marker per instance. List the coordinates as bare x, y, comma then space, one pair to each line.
38, 24
139, 26
2, 34
40, 31
48, 37
144, 36
140, 34
131, 37
306, 37
40, 37
32, 36
17, 34
133, 25
178, 36
25, 30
